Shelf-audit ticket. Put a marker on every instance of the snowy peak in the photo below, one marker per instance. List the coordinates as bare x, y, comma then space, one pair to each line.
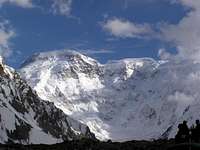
62, 65
65, 55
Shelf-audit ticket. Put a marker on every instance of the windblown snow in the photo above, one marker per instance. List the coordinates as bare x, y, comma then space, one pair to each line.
129, 99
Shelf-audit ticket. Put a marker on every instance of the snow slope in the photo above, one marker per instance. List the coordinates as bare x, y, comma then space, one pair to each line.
121, 100
26, 119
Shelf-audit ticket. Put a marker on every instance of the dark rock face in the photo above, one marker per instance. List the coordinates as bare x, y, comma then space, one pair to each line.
24, 117
21, 132
1, 70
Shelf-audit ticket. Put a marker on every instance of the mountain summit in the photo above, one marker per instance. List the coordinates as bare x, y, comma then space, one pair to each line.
135, 98
26, 119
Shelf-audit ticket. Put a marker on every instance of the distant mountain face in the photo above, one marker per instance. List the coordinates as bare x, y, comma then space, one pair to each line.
129, 99
26, 119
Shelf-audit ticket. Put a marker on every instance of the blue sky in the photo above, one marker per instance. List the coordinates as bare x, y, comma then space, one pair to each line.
103, 29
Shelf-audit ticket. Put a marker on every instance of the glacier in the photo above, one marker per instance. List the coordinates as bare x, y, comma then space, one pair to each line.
128, 99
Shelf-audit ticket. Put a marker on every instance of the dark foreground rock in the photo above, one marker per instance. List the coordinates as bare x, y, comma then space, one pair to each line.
86, 144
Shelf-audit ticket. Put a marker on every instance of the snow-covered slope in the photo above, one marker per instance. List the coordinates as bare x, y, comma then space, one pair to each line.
25, 118
121, 100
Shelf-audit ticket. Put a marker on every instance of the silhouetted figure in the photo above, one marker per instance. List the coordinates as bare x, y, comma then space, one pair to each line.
193, 133
183, 133
196, 132
178, 135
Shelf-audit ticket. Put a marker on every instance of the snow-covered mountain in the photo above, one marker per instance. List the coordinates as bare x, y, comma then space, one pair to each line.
26, 119
121, 100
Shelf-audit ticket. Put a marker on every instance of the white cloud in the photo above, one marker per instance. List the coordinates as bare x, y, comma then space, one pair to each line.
20, 3
126, 29
186, 34
62, 7
6, 33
